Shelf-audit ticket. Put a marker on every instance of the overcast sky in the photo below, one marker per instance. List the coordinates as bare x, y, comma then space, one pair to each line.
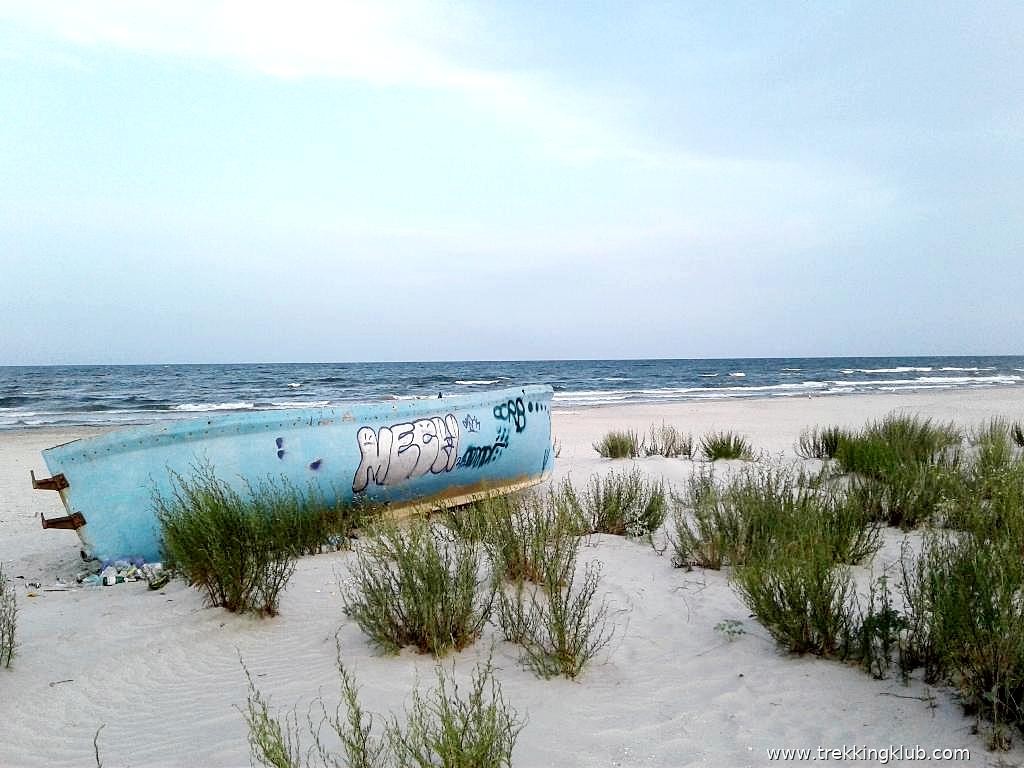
307, 181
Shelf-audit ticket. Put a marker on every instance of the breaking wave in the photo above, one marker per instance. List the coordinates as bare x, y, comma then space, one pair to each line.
204, 407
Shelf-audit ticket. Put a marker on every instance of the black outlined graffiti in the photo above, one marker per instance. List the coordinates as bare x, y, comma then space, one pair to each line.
477, 456
514, 411
471, 423
401, 452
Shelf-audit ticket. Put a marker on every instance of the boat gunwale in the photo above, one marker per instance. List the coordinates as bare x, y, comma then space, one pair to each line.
255, 421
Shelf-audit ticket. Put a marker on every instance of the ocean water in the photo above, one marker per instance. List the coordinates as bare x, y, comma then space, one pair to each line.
110, 395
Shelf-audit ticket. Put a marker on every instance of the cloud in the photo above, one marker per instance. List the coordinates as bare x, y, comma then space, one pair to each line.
404, 44
410, 44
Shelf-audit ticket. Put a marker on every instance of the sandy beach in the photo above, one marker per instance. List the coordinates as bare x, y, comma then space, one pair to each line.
161, 673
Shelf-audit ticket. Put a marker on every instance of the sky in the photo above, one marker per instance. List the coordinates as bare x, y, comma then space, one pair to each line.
245, 181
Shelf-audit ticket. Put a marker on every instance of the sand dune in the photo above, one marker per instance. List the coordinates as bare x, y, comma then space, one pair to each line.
162, 673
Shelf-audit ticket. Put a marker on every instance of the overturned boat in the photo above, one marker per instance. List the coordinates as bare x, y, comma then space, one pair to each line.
400, 454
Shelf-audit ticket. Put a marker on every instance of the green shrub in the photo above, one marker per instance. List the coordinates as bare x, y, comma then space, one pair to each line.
273, 742
913, 494
994, 449
801, 596
240, 552
904, 468
966, 596
619, 503
725, 445
897, 441
996, 509
528, 534
441, 728
853, 535
710, 528
878, 631
919, 582
418, 586
363, 749
994, 430
619, 445
560, 626
444, 728
761, 509
819, 443
305, 520
665, 440
8, 619
467, 521
705, 537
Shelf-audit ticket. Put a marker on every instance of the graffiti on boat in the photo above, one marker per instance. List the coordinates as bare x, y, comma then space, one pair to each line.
401, 452
477, 456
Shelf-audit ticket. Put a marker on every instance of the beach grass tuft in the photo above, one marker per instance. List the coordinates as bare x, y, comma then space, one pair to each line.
994, 447
897, 440
761, 509
442, 727
560, 624
467, 521
528, 535
8, 619
800, 595
625, 444
273, 742
725, 445
623, 503
668, 441
445, 728
240, 551
968, 623
419, 586
902, 468
877, 633
819, 442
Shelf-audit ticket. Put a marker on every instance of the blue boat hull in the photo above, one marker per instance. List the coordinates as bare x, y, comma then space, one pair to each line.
399, 453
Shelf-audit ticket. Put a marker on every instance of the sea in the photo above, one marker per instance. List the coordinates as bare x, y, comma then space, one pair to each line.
110, 395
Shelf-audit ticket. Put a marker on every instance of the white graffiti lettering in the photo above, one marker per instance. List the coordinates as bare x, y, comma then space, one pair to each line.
401, 452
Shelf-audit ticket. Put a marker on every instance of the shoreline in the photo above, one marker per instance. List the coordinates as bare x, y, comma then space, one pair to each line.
1009, 401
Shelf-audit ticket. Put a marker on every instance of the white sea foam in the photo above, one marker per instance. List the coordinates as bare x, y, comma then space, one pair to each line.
898, 369
954, 368
1001, 379
789, 389
477, 381
738, 374
709, 375
295, 384
203, 407
597, 396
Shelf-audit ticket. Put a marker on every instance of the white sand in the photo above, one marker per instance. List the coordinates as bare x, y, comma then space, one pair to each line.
162, 672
